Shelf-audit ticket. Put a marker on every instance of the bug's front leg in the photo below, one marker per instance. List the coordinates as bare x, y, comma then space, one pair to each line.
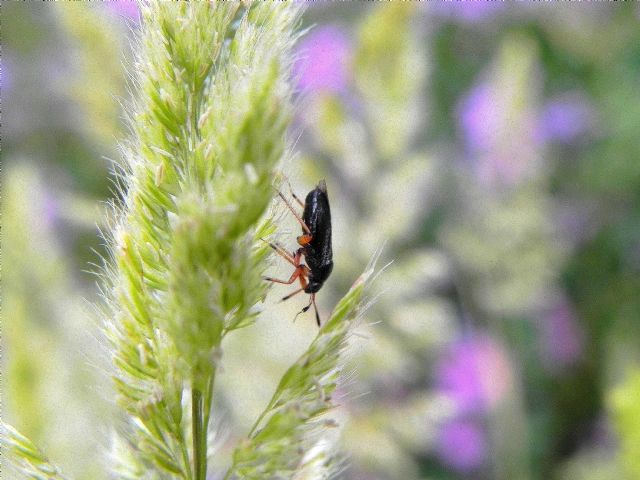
283, 253
300, 272
296, 273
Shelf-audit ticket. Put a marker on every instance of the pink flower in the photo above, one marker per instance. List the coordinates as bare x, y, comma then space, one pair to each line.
565, 119
475, 373
480, 118
126, 8
462, 445
561, 335
323, 61
6, 78
497, 145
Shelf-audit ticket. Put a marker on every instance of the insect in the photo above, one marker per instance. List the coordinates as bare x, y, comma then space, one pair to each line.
315, 246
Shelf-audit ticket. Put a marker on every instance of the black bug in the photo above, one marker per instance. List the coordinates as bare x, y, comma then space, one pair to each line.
315, 245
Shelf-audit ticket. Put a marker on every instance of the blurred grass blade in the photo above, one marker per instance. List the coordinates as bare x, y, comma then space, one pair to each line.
279, 443
624, 403
25, 456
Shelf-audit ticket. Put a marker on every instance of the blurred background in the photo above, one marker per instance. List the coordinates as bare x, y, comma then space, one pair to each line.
492, 148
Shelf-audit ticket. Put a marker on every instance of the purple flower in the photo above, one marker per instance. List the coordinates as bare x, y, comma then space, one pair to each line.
5, 75
461, 444
479, 118
125, 8
323, 59
561, 335
565, 118
498, 143
50, 209
475, 373
469, 11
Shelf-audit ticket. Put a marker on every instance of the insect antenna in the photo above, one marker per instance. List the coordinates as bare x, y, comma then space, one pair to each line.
304, 310
315, 307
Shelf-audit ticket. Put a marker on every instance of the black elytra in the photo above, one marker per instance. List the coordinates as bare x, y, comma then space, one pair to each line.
315, 245
318, 252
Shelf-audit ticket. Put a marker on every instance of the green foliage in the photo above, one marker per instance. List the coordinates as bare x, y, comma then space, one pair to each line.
281, 441
208, 123
493, 147
209, 128
46, 333
388, 48
94, 36
389, 181
32, 324
624, 402
26, 457
489, 224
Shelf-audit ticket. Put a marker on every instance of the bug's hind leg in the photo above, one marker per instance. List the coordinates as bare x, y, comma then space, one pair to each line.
295, 214
300, 272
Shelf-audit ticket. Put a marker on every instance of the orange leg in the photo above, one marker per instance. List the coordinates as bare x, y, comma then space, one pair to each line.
301, 271
301, 274
295, 214
282, 252
304, 239
296, 273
